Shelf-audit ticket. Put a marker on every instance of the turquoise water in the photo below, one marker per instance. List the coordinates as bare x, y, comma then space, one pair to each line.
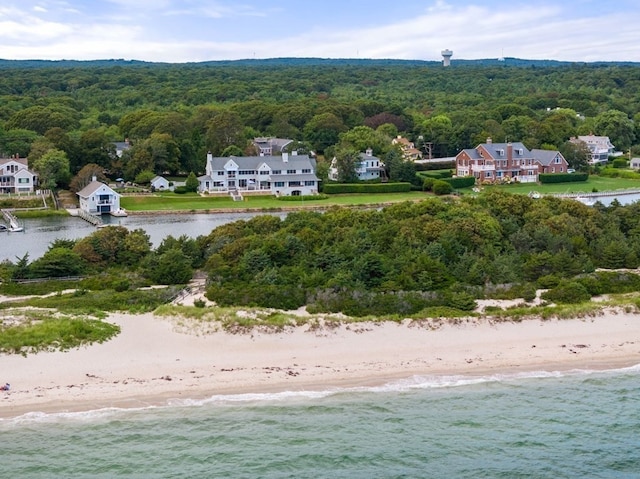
574, 425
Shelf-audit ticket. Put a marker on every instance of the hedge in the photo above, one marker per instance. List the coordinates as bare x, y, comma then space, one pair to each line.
337, 188
461, 181
436, 174
436, 165
562, 177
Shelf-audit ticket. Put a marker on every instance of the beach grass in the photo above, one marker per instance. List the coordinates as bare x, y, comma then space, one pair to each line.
37, 331
98, 303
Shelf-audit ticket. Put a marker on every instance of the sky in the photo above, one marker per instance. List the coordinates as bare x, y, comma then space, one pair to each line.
203, 30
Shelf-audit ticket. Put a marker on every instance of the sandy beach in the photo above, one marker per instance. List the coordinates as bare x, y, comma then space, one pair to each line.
155, 360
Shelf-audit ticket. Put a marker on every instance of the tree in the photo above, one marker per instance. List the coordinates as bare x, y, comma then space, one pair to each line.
617, 126
17, 142
362, 138
53, 169
577, 154
192, 183
346, 163
86, 176
323, 130
94, 147
223, 130
57, 263
170, 267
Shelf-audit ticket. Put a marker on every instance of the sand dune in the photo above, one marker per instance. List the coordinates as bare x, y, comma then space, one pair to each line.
153, 360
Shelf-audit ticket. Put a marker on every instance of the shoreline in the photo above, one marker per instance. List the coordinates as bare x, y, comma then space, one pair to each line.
155, 360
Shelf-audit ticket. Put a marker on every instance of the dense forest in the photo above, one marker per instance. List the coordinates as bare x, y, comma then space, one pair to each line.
403, 259
60, 113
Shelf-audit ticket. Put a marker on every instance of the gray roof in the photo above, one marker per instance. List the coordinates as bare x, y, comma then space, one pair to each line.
545, 157
91, 188
495, 149
254, 162
300, 177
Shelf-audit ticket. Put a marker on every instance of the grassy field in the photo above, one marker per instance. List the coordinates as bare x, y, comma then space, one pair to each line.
193, 202
594, 183
188, 202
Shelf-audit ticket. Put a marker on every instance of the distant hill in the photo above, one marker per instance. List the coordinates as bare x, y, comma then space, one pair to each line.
292, 62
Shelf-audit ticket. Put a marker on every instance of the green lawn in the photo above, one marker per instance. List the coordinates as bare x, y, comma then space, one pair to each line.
594, 183
188, 202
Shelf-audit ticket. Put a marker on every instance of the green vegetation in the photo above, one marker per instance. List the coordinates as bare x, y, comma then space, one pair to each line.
36, 332
170, 202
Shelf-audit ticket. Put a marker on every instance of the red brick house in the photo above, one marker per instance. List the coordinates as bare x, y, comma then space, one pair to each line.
490, 162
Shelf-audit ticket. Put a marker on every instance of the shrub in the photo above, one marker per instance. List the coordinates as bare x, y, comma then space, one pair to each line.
562, 177
567, 292
442, 187
180, 190
461, 181
427, 184
619, 163
337, 188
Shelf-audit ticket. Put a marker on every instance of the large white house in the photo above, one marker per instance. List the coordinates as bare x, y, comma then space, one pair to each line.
286, 175
15, 176
98, 198
599, 146
368, 168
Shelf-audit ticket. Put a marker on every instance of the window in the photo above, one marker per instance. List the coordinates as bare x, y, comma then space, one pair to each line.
23, 180
488, 174
306, 170
291, 172
279, 184
277, 172
557, 159
264, 172
309, 183
220, 173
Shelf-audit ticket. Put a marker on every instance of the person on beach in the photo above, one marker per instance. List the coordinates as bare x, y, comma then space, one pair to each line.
6, 387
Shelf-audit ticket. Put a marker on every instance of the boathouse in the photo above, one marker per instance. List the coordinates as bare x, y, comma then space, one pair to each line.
98, 198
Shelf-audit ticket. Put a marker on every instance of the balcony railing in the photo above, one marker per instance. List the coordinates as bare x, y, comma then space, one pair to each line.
483, 168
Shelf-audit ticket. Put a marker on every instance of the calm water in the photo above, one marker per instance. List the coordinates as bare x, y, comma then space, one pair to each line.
40, 232
577, 425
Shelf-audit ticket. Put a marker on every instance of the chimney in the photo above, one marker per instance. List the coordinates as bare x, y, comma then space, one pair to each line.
509, 151
209, 157
369, 152
94, 178
285, 157
489, 140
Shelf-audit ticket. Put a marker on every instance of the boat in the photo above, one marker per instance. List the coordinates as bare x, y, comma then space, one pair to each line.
15, 229
3, 227
586, 200
119, 212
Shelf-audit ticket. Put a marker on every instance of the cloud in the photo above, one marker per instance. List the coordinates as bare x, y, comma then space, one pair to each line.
199, 30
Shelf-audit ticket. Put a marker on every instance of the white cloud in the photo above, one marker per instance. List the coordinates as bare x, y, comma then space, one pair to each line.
197, 30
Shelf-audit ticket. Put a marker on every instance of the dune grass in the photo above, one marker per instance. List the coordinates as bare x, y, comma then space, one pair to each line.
42, 331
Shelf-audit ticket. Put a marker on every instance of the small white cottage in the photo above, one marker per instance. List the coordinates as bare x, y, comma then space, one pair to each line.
98, 198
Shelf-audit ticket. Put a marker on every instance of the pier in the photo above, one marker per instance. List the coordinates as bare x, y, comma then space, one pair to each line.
88, 217
14, 224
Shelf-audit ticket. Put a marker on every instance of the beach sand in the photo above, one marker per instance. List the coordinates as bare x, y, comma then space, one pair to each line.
155, 360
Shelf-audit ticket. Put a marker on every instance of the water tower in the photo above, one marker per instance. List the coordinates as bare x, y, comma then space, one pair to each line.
446, 57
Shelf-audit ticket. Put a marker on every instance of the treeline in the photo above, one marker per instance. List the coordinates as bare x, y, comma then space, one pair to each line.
174, 114
440, 252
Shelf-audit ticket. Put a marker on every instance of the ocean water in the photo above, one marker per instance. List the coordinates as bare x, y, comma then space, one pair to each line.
549, 425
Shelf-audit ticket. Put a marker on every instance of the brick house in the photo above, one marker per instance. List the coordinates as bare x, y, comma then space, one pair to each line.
490, 162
